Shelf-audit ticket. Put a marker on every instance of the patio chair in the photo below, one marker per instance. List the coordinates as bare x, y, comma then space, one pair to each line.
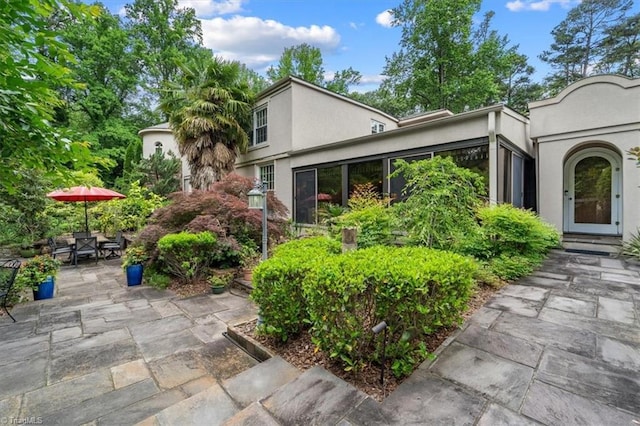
114, 247
8, 272
56, 249
85, 246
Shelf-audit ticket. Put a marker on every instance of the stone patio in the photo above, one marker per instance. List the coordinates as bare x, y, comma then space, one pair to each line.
560, 347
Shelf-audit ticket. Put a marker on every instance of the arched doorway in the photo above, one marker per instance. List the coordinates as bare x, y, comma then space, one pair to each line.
593, 192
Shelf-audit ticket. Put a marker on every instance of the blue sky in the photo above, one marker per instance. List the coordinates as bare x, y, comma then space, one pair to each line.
350, 33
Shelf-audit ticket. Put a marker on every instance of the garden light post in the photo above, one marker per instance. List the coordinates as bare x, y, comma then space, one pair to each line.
258, 201
382, 326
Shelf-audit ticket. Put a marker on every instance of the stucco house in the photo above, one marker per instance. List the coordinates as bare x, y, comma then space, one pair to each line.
567, 160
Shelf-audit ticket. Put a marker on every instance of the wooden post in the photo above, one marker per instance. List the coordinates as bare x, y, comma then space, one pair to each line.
349, 239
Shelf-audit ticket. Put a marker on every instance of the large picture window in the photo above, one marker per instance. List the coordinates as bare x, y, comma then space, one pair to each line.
397, 183
366, 172
474, 158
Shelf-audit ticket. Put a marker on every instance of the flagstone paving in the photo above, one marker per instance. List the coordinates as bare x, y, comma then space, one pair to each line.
560, 347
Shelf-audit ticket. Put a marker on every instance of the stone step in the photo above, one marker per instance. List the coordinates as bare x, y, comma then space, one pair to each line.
210, 407
222, 401
595, 244
259, 382
591, 248
314, 397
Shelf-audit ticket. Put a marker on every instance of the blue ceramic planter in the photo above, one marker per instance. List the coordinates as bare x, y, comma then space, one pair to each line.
134, 275
45, 289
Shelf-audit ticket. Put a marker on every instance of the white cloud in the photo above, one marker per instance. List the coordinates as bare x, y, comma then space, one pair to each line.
538, 6
212, 7
385, 19
355, 26
257, 42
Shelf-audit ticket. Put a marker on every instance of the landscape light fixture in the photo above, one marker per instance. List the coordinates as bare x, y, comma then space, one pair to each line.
258, 201
382, 326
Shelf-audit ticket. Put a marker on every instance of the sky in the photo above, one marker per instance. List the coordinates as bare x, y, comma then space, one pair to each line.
351, 33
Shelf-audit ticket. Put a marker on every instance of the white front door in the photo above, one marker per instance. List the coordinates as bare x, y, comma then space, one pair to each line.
592, 192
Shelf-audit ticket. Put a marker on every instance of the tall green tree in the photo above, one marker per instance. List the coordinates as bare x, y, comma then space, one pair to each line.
210, 113
33, 65
444, 62
579, 41
305, 61
621, 47
108, 109
165, 35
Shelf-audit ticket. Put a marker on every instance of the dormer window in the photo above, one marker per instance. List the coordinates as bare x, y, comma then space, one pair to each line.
377, 127
259, 133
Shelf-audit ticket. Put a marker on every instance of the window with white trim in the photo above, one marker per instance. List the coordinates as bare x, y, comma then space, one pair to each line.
267, 174
158, 147
377, 127
259, 133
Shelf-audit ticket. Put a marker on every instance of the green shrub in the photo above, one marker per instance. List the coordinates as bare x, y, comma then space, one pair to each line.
156, 279
128, 214
415, 290
277, 284
373, 224
441, 201
512, 241
511, 267
511, 230
186, 255
631, 247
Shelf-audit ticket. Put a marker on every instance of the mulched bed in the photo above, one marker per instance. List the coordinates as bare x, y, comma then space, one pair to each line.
300, 352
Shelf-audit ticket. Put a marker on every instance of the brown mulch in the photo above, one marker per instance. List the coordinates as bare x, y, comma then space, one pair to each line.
301, 352
192, 288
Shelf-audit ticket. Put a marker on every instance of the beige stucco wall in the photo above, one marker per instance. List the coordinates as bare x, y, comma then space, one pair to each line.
420, 136
320, 118
602, 110
163, 135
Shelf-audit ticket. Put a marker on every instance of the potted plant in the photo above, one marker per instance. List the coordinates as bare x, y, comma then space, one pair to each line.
249, 258
132, 262
39, 274
219, 281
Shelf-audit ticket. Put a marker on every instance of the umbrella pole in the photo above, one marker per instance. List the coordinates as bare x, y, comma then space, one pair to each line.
86, 218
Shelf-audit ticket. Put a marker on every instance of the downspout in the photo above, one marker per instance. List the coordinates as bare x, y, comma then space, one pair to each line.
493, 159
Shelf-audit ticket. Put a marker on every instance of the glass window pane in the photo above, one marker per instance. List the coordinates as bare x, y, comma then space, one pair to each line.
397, 184
367, 172
305, 200
330, 185
267, 175
475, 158
593, 191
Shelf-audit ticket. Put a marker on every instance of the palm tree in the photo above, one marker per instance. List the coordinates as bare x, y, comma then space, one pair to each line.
209, 112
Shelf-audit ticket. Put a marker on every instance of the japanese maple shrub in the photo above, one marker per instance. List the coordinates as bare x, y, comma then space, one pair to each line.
223, 211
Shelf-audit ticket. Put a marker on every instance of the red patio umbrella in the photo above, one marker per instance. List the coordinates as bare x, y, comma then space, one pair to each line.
83, 193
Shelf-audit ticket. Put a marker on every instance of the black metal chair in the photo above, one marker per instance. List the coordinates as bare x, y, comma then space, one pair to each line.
56, 249
85, 246
114, 247
8, 272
